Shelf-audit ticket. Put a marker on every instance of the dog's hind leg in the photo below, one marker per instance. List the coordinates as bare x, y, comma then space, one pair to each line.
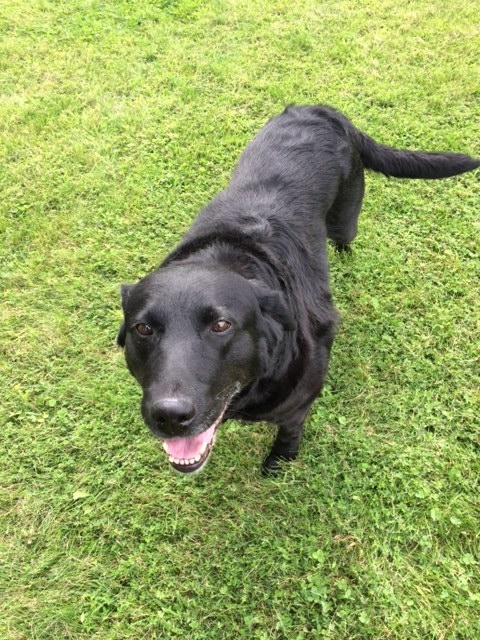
342, 217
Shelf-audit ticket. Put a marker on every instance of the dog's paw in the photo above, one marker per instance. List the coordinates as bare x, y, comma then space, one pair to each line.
342, 249
274, 463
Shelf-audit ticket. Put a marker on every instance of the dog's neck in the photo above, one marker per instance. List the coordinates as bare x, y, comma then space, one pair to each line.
240, 252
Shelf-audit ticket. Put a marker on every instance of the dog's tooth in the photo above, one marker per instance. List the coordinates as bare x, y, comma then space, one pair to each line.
165, 446
198, 458
192, 461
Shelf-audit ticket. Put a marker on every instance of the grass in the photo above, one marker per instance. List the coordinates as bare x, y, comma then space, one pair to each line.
118, 121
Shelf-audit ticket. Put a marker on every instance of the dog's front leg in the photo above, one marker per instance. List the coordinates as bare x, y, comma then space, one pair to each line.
286, 445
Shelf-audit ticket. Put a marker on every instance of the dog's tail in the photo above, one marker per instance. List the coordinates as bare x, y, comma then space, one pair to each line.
400, 163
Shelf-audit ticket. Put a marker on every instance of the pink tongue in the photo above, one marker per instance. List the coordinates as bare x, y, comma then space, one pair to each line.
188, 448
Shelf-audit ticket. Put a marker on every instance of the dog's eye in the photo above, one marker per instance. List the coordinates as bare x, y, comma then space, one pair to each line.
220, 326
143, 329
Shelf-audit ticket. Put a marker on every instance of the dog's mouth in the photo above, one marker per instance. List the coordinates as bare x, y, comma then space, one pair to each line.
187, 455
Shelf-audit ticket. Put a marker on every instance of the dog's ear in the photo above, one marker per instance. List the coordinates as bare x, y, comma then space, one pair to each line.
272, 304
125, 291
122, 335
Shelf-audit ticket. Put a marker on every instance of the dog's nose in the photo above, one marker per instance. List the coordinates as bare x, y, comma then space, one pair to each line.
173, 413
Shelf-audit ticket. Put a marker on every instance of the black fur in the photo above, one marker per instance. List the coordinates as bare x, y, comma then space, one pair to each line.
256, 257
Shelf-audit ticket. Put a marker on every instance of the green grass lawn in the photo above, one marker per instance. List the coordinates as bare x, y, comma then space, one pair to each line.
118, 121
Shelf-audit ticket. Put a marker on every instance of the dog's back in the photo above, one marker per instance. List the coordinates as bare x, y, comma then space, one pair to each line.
309, 162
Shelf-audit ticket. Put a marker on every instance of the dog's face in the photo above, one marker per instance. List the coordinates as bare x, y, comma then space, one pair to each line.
195, 336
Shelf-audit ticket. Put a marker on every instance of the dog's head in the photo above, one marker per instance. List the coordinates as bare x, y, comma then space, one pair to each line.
194, 337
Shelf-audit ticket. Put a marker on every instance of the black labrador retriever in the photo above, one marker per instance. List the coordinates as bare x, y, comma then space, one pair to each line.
238, 321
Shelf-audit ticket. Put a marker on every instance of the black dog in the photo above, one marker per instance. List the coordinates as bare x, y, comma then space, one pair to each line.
238, 321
